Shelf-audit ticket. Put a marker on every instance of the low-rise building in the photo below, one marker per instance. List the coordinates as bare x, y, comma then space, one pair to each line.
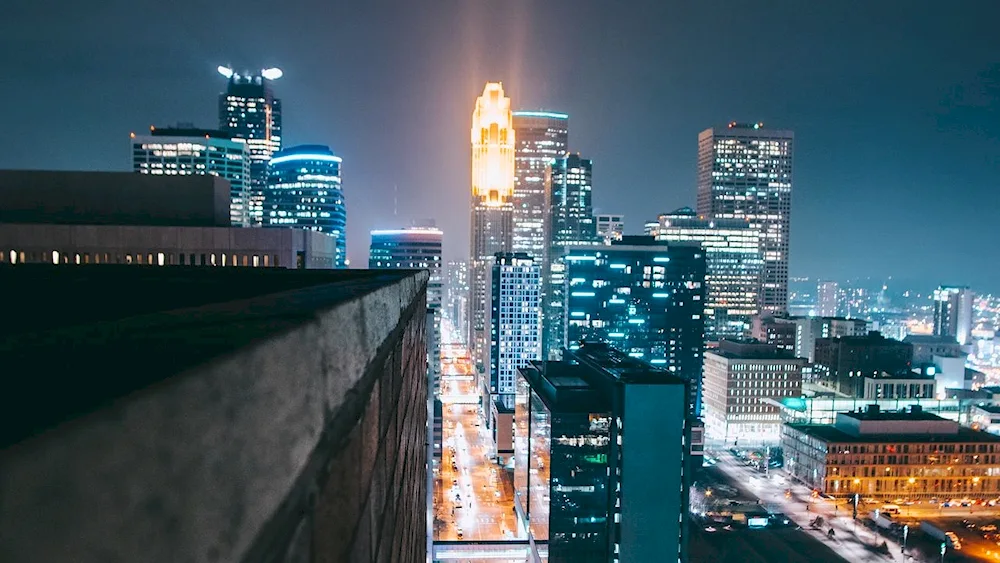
844, 362
926, 346
893, 455
140, 219
908, 385
774, 330
739, 378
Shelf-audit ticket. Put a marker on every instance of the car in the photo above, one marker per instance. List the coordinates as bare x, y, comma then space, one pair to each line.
460, 533
454, 482
710, 529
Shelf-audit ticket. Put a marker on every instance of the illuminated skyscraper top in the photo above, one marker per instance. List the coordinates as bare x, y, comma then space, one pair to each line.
492, 147
249, 111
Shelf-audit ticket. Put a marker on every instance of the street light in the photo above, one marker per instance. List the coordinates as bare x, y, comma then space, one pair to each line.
944, 548
906, 532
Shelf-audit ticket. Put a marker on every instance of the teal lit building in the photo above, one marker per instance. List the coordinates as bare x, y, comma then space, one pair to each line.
645, 298
304, 191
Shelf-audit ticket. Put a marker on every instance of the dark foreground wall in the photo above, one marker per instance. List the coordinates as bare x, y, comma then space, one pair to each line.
295, 431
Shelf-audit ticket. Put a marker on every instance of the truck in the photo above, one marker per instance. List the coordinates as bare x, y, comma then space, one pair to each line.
937, 533
881, 520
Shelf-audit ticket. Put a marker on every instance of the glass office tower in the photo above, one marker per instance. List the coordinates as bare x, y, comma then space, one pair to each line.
186, 150
542, 136
249, 111
304, 191
514, 320
602, 468
733, 264
745, 173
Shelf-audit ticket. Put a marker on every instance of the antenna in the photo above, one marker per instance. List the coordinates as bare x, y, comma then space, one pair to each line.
395, 197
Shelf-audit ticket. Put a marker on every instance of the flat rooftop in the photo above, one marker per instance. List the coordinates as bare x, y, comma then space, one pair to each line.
911, 416
74, 338
830, 433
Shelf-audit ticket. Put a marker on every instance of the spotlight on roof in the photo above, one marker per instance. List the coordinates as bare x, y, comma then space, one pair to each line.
225, 71
272, 73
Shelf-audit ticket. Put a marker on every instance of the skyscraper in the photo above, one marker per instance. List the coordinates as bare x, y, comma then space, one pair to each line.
827, 299
570, 223
457, 291
415, 248
304, 191
514, 320
184, 150
745, 172
542, 136
249, 111
571, 208
733, 262
610, 227
645, 298
953, 313
493, 143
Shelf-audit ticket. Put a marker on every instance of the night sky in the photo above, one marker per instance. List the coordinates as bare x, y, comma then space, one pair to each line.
894, 104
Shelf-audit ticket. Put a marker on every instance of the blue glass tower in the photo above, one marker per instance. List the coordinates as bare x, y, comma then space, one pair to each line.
304, 191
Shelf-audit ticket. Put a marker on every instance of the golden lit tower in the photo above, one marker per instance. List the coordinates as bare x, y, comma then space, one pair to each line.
492, 210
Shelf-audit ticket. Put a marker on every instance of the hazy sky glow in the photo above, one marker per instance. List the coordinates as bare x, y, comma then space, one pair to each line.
894, 104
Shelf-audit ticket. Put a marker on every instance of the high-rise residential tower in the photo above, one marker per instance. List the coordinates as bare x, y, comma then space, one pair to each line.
304, 191
415, 248
733, 263
249, 111
745, 172
542, 136
183, 150
515, 340
493, 144
953, 312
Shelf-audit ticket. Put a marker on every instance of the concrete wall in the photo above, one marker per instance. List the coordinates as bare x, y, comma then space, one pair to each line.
308, 445
112, 198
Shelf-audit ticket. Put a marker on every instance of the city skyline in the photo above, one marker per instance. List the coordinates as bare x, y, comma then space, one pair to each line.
920, 124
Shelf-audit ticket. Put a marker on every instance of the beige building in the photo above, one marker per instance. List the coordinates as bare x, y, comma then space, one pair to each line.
910, 455
739, 380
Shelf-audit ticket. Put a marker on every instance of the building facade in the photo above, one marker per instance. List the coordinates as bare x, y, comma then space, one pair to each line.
514, 319
415, 248
249, 111
304, 191
926, 346
643, 297
601, 469
570, 223
457, 301
183, 151
745, 172
610, 226
844, 362
742, 380
493, 143
953, 313
808, 329
542, 136
733, 265
909, 455
778, 331
140, 219
899, 386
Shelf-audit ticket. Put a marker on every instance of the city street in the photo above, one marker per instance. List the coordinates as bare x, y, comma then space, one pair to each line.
472, 502
851, 540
